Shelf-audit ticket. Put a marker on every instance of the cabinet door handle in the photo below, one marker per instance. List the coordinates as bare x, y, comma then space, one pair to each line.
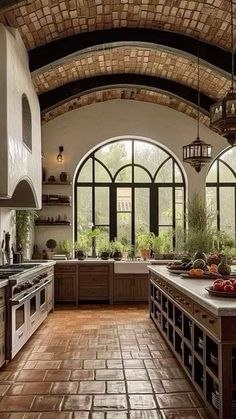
197, 311
211, 321
204, 316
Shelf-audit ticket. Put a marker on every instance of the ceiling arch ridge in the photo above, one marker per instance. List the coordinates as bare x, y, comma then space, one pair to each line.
57, 50
43, 21
135, 44
153, 62
74, 89
124, 93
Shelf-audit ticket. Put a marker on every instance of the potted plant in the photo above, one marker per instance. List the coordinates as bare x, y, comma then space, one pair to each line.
82, 246
66, 247
117, 248
51, 245
144, 243
104, 249
24, 220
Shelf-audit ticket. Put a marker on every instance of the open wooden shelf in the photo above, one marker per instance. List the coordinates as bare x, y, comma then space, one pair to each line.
57, 183
56, 204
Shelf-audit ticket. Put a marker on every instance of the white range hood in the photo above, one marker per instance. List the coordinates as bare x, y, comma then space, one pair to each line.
20, 126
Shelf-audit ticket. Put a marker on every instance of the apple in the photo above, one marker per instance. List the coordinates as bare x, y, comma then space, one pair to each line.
218, 287
218, 281
227, 282
229, 288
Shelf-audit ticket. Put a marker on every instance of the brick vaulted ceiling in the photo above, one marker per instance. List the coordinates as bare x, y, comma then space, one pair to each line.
42, 22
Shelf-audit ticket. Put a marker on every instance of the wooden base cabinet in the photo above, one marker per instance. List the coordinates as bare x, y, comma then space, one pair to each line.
130, 287
95, 282
65, 283
204, 344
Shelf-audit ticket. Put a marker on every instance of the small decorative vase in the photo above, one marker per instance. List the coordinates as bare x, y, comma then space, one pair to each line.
64, 177
145, 254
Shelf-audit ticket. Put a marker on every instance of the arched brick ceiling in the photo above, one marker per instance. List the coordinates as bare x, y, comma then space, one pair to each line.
43, 21
147, 61
125, 94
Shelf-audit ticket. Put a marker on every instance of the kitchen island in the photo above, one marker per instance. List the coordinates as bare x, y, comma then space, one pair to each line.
201, 332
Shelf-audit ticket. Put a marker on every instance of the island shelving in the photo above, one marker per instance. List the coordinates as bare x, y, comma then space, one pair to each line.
201, 332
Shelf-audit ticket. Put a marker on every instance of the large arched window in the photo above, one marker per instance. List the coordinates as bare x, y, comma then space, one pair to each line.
129, 186
221, 191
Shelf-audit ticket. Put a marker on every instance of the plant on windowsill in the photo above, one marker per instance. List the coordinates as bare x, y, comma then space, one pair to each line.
85, 241
51, 245
117, 249
145, 243
162, 246
104, 249
66, 247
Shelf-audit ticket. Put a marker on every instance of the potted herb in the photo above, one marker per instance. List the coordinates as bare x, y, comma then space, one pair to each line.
24, 220
51, 245
144, 243
82, 246
104, 249
117, 248
66, 247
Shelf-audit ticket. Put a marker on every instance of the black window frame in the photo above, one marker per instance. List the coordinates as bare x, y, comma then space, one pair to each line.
112, 185
218, 185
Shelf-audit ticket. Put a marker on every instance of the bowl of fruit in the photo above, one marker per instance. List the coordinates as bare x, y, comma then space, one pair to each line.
223, 288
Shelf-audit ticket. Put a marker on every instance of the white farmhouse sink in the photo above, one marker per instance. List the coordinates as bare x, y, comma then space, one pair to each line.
126, 267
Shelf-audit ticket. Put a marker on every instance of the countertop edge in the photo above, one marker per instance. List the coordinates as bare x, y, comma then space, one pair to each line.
218, 311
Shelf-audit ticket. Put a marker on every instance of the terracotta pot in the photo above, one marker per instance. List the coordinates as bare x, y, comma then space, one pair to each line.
145, 254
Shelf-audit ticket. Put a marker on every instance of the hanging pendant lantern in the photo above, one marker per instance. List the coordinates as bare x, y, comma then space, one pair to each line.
197, 153
223, 112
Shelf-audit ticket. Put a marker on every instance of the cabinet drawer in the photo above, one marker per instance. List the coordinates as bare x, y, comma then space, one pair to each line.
2, 296
60, 269
93, 268
98, 292
93, 280
207, 320
183, 301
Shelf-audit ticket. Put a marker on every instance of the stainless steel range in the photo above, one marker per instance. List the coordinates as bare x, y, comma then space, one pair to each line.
29, 298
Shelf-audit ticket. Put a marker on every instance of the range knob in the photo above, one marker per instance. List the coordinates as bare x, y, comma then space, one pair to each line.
17, 289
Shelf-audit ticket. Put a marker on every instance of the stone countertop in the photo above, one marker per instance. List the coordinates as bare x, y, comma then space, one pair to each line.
3, 283
195, 289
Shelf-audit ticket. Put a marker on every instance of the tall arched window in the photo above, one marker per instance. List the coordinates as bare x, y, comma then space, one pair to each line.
26, 122
221, 191
129, 186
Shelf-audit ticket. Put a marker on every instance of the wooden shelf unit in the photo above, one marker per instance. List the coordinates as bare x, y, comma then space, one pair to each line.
199, 340
56, 183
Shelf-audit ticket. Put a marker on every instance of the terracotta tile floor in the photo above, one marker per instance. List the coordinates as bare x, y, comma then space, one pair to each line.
97, 362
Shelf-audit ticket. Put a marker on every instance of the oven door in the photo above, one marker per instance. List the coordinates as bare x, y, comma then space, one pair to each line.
19, 325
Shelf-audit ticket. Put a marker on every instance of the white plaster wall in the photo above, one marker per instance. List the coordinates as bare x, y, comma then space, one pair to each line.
81, 130
15, 79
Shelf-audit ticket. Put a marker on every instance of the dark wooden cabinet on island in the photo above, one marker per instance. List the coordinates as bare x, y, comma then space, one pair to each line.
130, 287
201, 332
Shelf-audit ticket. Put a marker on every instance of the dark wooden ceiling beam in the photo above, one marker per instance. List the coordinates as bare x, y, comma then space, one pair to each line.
52, 98
61, 48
